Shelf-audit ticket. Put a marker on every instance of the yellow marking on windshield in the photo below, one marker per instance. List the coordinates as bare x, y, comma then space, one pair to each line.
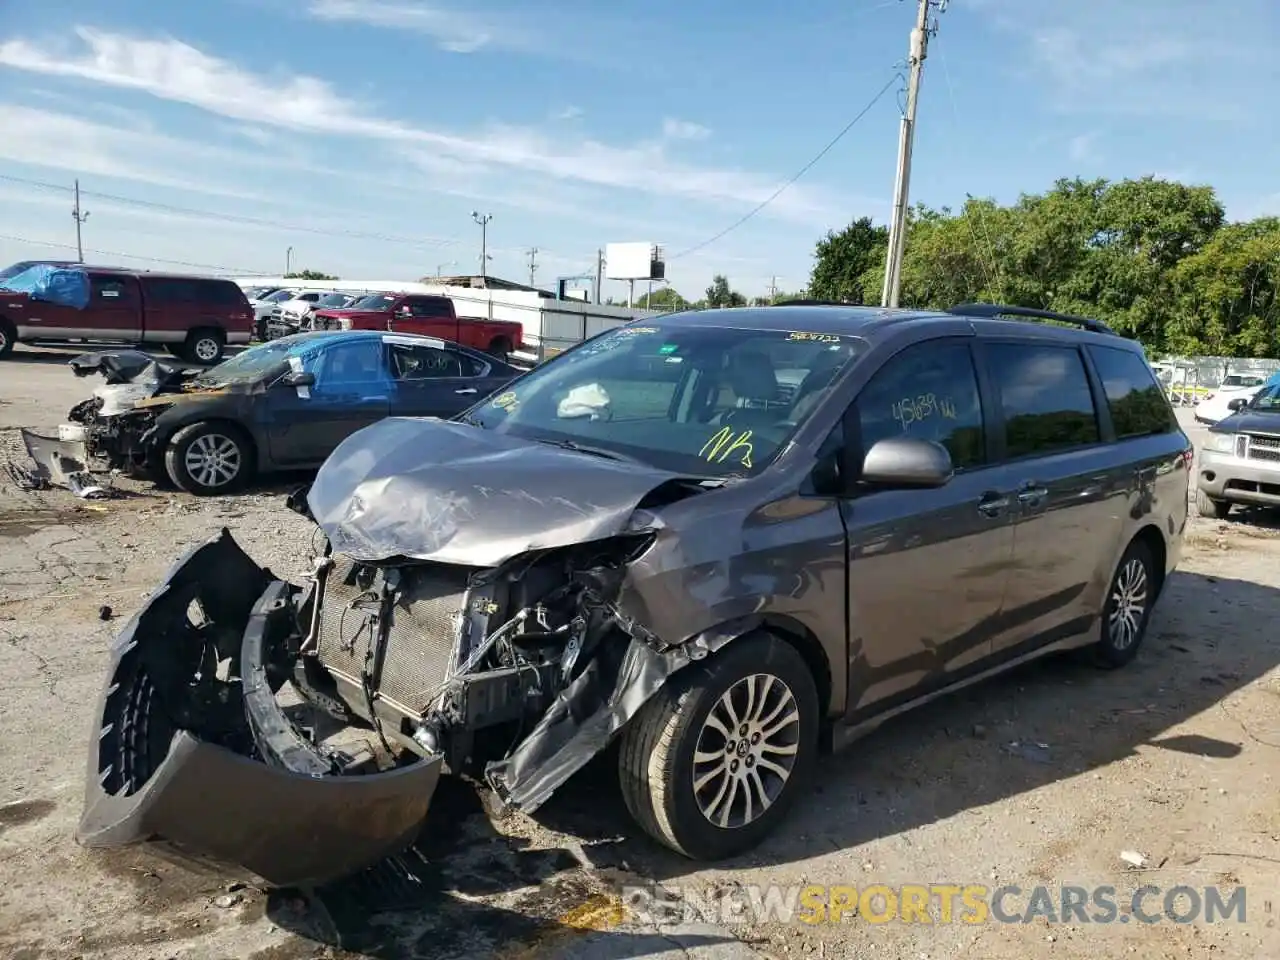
813, 337
724, 445
911, 410
507, 401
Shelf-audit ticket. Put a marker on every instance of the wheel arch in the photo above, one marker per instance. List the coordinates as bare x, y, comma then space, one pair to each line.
1150, 536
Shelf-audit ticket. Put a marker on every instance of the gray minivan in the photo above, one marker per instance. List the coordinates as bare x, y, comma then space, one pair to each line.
725, 540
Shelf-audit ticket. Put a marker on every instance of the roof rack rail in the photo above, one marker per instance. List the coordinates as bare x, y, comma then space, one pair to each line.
801, 302
996, 311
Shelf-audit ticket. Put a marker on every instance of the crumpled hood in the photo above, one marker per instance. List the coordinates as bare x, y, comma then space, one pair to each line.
438, 490
128, 366
1246, 421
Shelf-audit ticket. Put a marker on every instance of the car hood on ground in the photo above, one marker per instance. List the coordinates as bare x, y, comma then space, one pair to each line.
438, 490
1249, 421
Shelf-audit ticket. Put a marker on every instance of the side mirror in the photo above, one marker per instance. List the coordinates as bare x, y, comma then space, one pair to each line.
301, 378
907, 462
405, 311
1239, 403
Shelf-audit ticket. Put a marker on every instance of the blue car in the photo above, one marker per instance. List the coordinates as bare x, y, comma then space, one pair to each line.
282, 405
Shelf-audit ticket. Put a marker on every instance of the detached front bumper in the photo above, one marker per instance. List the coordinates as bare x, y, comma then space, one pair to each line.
193, 751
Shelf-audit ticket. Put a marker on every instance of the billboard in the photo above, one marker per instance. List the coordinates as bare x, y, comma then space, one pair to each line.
632, 261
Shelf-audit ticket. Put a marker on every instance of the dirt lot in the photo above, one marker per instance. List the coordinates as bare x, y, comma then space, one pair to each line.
1041, 778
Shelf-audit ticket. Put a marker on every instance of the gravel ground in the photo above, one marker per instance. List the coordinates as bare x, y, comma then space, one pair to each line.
1043, 777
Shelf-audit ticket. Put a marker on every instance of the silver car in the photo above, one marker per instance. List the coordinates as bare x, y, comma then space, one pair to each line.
1240, 462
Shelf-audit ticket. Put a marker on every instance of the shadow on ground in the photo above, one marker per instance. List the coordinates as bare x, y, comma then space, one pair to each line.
966, 751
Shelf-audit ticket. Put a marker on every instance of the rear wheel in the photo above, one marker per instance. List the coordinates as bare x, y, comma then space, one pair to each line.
8, 337
1128, 608
1213, 509
500, 347
209, 458
711, 764
205, 346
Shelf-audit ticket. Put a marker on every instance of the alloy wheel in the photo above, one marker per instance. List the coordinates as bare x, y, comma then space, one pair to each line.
746, 751
213, 460
1128, 604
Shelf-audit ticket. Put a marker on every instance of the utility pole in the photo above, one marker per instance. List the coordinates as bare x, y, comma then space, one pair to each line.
80, 217
599, 273
533, 264
919, 49
773, 288
484, 251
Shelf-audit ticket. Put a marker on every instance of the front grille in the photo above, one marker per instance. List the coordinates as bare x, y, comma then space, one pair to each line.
1263, 448
421, 632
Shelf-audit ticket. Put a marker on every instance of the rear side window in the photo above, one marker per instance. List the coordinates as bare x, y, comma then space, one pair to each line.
430, 307
1045, 397
929, 391
108, 290
1138, 406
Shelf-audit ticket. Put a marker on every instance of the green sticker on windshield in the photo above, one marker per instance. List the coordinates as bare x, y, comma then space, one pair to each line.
668, 348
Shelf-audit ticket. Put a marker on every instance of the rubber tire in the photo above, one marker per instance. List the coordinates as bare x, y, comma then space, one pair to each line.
1105, 654
1210, 508
195, 336
656, 755
175, 453
500, 348
8, 338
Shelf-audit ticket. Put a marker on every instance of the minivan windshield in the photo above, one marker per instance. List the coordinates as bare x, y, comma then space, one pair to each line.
279, 296
332, 300
705, 400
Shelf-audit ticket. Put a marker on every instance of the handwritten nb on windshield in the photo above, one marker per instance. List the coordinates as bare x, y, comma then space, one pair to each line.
726, 444
911, 410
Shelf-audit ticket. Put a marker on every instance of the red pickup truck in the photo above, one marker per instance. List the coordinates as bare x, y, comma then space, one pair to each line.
193, 317
424, 314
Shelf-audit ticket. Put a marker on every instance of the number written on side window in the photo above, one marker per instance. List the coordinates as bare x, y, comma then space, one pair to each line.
929, 391
1138, 406
1045, 396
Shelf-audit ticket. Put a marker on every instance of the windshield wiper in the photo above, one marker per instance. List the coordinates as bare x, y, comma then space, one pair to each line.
594, 451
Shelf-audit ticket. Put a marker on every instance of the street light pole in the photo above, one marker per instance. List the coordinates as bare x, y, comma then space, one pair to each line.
288, 261
484, 255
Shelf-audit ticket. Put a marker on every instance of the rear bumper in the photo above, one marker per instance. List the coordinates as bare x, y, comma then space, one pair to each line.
214, 769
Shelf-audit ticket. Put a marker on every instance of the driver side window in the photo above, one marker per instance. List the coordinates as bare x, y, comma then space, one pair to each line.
930, 391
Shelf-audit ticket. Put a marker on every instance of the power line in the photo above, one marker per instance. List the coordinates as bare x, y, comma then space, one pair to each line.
133, 256
235, 218
800, 173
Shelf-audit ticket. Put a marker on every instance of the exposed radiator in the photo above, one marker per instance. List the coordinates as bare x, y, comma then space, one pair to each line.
421, 638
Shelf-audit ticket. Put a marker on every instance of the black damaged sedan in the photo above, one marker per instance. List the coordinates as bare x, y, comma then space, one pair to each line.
283, 405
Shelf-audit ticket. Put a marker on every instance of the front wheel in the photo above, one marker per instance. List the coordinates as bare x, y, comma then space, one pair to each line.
711, 764
8, 337
1127, 611
1210, 508
208, 458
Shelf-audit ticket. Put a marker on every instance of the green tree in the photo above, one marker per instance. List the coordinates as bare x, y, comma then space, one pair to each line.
1226, 300
842, 262
666, 298
309, 275
719, 294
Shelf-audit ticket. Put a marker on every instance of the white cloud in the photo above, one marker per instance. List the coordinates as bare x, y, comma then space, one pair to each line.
64, 142
453, 31
568, 113
172, 70
674, 129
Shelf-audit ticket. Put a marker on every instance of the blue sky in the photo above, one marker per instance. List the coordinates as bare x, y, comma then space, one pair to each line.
363, 133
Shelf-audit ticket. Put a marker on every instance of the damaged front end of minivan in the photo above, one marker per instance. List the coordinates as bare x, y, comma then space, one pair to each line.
461, 601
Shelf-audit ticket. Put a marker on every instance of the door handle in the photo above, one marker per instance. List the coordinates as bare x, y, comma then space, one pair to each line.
1031, 494
993, 504
466, 390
